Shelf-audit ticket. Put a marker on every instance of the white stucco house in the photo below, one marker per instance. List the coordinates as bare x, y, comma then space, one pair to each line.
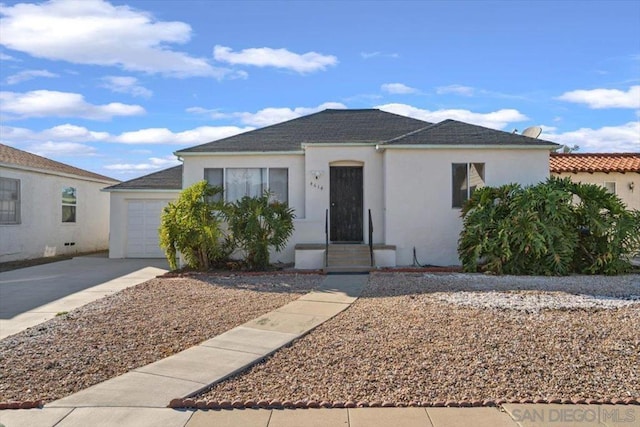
49, 208
619, 173
355, 177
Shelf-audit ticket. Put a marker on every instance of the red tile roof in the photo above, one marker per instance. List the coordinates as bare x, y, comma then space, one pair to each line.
594, 162
13, 156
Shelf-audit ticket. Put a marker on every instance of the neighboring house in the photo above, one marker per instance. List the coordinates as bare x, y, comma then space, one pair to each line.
136, 207
617, 172
338, 168
49, 208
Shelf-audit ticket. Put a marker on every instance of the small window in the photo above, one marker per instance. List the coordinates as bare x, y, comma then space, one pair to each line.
214, 177
9, 201
69, 204
610, 186
279, 184
465, 178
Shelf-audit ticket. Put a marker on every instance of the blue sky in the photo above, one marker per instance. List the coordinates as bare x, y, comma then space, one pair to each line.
117, 87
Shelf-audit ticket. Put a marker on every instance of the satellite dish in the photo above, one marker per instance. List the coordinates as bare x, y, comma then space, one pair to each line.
532, 132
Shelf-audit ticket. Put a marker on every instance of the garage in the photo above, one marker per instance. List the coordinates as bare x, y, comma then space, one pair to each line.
135, 211
143, 221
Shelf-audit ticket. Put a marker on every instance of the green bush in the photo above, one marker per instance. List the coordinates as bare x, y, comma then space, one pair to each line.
256, 224
554, 228
192, 226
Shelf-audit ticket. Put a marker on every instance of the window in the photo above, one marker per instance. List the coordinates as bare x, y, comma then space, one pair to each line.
466, 177
9, 201
252, 182
610, 186
69, 204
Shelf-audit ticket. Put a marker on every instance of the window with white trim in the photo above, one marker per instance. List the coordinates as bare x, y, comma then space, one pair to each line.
465, 178
610, 186
240, 182
9, 201
69, 202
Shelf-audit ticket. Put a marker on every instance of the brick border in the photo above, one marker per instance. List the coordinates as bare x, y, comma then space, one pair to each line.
189, 403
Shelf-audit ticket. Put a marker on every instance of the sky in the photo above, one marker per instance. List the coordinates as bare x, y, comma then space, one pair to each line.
116, 87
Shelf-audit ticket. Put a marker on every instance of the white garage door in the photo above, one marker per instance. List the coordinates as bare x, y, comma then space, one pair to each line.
143, 221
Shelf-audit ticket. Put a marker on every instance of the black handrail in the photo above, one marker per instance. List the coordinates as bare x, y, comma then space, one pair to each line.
326, 238
371, 237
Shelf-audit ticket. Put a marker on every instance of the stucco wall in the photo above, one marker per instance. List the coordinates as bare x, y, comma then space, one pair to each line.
418, 196
41, 231
118, 216
631, 197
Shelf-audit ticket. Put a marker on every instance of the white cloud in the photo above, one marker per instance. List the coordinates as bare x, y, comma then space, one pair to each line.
496, 120
57, 149
604, 98
5, 57
153, 163
28, 75
126, 84
622, 138
61, 133
278, 58
369, 55
47, 103
99, 33
456, 89
195, 136
398, 88
272, 115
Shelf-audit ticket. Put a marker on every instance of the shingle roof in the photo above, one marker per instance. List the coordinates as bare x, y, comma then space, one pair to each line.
167, 179
594, 162
13, 156
453, 132
328, 126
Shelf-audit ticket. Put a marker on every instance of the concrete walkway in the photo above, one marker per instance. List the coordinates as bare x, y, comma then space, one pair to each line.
140, 397
29, 296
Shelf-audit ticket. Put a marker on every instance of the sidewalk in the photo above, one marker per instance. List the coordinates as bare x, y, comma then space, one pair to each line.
140, 397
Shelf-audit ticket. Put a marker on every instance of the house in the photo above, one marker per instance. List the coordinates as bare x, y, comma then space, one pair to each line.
363, 177
49, 208
617, 172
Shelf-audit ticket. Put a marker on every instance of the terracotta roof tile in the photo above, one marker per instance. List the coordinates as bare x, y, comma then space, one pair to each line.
13, 156
594, 162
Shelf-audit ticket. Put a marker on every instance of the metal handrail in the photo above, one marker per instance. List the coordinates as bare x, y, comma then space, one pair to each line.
371, 237
326, 238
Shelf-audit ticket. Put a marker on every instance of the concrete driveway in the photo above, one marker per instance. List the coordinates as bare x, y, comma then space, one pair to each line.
31, 295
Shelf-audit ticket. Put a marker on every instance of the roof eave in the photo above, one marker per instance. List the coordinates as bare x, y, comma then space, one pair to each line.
57, 173
237, 153
382, 147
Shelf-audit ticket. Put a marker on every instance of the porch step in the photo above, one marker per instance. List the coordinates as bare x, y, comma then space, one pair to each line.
348, 258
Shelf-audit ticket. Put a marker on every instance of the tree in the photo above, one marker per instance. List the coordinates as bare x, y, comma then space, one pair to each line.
554, 228
192, 225
256, 224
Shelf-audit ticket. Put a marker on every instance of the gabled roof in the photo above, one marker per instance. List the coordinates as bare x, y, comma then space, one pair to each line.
328, 126
452, 132
167, 179
594, 162
12, 156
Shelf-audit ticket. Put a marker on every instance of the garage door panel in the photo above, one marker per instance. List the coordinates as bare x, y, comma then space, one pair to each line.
143, 222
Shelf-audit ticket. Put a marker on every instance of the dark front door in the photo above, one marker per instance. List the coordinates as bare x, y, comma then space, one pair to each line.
345, 194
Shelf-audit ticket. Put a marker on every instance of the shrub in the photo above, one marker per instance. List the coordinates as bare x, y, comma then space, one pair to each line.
191, 225
553, 228
256, 224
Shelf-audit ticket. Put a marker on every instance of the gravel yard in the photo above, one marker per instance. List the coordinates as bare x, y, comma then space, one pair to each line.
135, 327
439, 337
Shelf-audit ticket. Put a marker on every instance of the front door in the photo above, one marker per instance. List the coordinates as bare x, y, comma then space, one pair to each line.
345, 197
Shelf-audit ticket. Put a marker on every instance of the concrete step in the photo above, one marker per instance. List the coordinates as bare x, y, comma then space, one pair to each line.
348, 269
